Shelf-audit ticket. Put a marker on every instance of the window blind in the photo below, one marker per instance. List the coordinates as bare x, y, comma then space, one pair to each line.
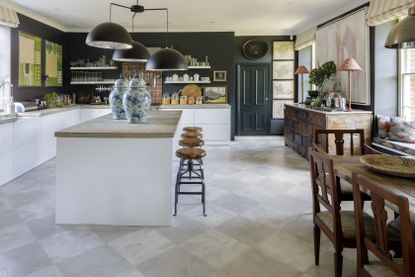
305, 38
382, 11
8, 17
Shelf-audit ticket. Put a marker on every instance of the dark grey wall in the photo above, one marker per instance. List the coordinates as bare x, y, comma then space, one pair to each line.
277, 125
43, 31
385, 73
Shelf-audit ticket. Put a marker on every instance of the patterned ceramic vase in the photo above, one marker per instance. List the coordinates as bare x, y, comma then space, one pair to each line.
137, 101
116, 99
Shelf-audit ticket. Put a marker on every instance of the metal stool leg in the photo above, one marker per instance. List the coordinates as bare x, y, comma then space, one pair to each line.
177, 187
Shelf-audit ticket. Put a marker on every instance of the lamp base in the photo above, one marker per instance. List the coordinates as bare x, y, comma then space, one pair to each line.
349, 110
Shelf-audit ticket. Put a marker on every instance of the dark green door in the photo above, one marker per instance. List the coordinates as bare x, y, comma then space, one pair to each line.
253, 99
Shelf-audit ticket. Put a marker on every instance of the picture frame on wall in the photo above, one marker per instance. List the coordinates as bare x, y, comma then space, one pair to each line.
283, 50
219, 75
283, 70
278, 108
283, 89
30, 60
215, 94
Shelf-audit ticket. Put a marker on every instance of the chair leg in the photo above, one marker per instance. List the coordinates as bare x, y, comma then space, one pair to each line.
203, 198
338, 263
317, 234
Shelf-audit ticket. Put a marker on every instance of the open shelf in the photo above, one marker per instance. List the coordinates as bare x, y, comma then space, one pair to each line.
93, 67
199, 67
103, 82
187, 82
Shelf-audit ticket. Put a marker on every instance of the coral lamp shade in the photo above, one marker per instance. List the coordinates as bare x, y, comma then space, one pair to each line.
138, 53
402, 34
109, 35
166, 59
301, 70
350, 64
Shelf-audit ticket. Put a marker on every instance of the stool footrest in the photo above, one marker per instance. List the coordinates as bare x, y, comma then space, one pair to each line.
190, 192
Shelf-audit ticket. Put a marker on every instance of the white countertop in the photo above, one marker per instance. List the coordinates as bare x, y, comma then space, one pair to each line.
201, 106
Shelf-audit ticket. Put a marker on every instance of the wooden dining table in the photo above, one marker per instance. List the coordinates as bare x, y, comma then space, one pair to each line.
344, 166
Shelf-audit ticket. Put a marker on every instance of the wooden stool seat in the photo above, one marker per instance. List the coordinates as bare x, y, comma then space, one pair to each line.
190, 153
193, 129
191, 142
192, 135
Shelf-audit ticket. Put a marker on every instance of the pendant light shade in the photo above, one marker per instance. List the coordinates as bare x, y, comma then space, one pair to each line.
138, 53
166, 59
109, 35
402, 34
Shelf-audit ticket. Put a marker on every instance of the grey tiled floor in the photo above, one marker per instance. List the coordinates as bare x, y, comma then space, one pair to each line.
259, 224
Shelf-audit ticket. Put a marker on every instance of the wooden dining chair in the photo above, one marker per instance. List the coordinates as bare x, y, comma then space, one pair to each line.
385, 242
337, 225
322, 141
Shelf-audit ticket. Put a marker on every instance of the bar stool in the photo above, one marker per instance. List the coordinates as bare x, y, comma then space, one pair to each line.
192, 135
191, 142
193, 129
190, 173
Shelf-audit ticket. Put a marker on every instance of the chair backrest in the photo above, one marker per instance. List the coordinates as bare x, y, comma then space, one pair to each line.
322, 138
380, 248
323, 186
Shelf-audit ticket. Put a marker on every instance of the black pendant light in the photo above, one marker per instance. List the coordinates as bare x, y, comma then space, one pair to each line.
138, 53
109, 35
166, 59
402, 34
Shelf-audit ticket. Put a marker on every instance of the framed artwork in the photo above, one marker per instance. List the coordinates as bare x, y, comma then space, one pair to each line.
283, 89
219, 76
283, 70
348, 38
283, 50
53, 64
30, 60
215, 94
278, 108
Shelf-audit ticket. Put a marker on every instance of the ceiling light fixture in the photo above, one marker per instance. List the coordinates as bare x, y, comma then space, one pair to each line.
166, 59
402, 34
109, 35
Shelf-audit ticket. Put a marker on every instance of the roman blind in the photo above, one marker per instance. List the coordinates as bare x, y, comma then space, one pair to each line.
8, 17
382, 11
305, 39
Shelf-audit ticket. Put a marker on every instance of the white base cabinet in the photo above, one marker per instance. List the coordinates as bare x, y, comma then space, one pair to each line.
30, 141
216, 123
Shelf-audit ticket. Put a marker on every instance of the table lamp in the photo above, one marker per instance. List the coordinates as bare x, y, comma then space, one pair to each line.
350, 65
301, 70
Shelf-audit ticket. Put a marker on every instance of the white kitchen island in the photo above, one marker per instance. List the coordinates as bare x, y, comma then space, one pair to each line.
114, 173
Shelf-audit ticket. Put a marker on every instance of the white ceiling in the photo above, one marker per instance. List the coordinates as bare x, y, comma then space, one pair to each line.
244, 17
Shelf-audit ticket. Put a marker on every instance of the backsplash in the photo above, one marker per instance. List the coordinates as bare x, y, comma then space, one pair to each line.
153, 78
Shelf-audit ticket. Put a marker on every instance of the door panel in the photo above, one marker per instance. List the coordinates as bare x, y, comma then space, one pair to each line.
253, 98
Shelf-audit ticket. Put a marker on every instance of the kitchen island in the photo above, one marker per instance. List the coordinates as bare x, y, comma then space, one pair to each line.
114, 173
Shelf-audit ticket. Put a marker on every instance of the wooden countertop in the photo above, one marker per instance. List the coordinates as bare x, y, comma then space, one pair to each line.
304, 107
160, 124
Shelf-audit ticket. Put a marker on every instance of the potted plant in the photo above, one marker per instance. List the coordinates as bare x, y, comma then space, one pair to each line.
52, 99
320, 75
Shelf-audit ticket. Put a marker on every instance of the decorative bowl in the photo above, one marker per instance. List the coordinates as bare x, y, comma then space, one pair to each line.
390, 165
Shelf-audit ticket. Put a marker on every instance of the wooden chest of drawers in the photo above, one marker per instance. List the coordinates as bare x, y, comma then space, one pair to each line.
300, 122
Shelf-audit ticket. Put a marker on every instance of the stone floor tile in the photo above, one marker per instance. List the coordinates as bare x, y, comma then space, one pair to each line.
236, 203
15, 236
23, 260
215, 248
70, 243
141, 245
50, 271
176, 262
102, 261
46, 227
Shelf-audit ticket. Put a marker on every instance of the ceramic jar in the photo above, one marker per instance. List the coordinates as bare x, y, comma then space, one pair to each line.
116, 99
137, 101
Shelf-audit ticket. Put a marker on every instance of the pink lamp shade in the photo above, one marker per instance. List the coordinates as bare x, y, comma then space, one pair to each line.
350, 64
301, 70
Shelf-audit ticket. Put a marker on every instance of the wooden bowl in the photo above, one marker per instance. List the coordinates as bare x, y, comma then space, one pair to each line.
390, 165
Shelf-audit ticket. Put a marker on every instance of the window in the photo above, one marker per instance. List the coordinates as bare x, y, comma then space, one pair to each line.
306, 57
407, 95
4, 64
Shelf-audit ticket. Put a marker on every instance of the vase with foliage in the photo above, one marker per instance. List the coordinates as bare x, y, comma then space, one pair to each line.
319, 76
52, 99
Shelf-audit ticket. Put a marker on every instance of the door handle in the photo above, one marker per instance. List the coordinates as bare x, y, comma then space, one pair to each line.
266, 99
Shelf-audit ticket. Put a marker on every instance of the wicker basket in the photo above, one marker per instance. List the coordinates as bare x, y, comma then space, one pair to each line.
390, 165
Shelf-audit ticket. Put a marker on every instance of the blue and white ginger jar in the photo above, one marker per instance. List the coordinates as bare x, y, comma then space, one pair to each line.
116, 99
137, 101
